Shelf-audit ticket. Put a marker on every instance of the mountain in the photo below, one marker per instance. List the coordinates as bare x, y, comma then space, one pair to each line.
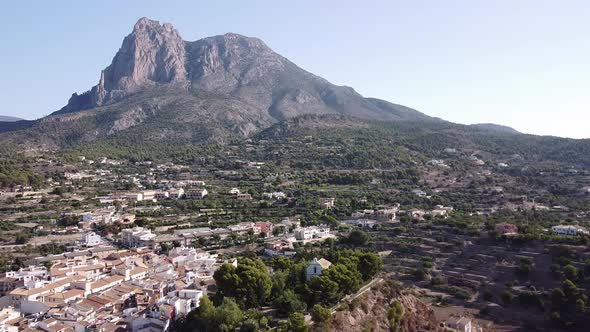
239, 67
162, 87
496, 127
162, 92
6, 118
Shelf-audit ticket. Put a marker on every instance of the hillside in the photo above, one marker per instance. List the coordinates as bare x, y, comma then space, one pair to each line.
236, 66
6, 118
433, 137
162, 94
200, 91
496, 128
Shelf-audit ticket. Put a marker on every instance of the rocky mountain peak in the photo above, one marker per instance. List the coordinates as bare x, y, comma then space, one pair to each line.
237, 67
151, 54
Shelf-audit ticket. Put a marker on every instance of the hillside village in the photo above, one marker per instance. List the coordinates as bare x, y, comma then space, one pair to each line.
109, 244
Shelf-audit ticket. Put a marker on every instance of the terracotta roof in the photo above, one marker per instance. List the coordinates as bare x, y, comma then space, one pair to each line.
324, 263
99, 299
90, 304
138, 270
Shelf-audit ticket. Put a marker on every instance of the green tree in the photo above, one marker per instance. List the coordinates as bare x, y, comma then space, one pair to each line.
228, 315
557, 298
506, 298
570, 272
358, 238
250, 325
22, 238
165, 248
320, 314
281, 263
348, 280
288, 303
394, 316
202, 318
570, 290
324, 290
249, 283
208, 318
369, 265
297, 322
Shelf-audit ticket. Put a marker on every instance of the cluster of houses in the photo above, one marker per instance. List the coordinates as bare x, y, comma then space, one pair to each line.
387, 214
143, 237
154, 195
368, 218
106, 215
104, 289
506, 229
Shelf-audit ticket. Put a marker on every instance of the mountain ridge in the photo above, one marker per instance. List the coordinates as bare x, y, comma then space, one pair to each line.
160, 88
245, 68
7, 118
496, 127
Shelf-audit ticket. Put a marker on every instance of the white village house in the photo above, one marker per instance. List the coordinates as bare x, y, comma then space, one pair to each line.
92, 239
568, 230
316, 267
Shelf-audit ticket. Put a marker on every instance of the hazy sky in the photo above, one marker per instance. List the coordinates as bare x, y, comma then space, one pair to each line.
522, 63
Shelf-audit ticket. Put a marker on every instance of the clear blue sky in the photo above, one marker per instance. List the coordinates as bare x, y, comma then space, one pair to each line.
523, 63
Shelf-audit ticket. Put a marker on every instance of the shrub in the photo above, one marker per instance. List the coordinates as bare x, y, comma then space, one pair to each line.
506, 297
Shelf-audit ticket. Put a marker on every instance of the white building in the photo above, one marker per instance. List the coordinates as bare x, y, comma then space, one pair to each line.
244, 197
419, 193
462, 324
194, 183
161, 195
568, 230
316, 267
137, 237
31, 273
327, 203
196, 193
8, 315
175, 193
308, 233
148, 195
133, 197
362, 214
234, 191
275, 195
98, 216
92, 239
386, 215
244, 227
184, 301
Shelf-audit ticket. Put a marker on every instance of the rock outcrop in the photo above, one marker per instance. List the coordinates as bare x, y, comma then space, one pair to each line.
154, 55
160, 87
369, 312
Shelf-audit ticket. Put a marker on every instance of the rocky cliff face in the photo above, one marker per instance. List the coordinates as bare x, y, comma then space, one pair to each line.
154, 55
161, 87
